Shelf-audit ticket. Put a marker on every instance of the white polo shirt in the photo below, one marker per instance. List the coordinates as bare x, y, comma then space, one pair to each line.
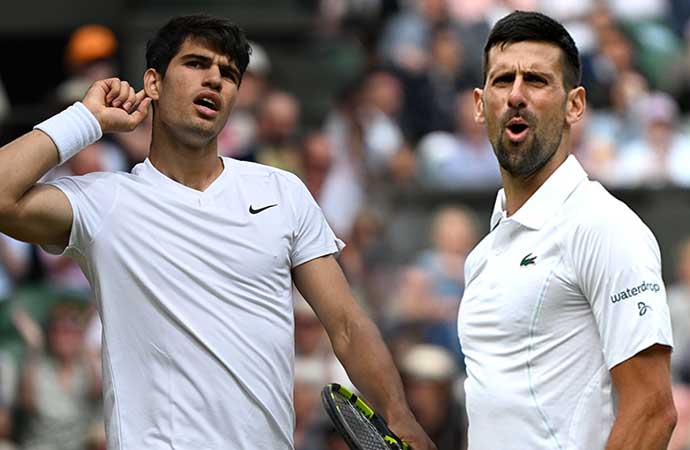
556, 295
195, 294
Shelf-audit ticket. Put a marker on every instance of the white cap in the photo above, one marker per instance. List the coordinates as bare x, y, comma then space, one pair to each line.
429, 363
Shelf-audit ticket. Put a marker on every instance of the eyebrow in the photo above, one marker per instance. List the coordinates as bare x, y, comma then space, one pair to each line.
224, 68
502, 71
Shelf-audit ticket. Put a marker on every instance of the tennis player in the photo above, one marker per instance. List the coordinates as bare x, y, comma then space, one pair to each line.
564, 321
192, 258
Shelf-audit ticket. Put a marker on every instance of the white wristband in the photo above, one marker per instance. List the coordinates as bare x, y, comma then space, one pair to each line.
72, 130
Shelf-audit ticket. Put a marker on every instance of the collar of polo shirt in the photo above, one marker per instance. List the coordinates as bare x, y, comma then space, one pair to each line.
549, 197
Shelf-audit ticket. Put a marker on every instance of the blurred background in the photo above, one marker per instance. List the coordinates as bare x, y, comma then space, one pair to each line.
370, 103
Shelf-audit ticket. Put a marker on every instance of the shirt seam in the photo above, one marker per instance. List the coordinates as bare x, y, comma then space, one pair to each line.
535, 317
104, 221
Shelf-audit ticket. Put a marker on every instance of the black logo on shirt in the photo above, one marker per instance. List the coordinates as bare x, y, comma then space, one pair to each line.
631, 292
643, 308
527, 260
257, 211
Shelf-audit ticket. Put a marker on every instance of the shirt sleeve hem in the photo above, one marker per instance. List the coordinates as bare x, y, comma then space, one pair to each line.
317, 253
643, 345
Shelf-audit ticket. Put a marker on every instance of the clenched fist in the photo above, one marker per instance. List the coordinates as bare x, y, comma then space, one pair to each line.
116, 105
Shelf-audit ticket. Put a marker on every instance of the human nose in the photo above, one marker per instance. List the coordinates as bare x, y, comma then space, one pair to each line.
516, 97
213, 77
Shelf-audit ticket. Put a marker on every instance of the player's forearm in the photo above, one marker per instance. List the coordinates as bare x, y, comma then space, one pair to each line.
647, 426
22, 163
370, 366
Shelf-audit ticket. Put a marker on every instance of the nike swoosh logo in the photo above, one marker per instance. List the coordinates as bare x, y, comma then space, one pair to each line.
257, 211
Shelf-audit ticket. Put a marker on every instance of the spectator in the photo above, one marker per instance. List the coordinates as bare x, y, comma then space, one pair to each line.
612, 55
616, 127
343, 192
429, 97
278, 121
89, 56
59, 390
366, 262
677, 80
463, 159
406, 39
430, 375
317, 160
661, 156
378, 110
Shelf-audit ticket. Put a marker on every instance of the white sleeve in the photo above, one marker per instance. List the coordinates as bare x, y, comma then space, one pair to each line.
92, 198
312, 237
618, 266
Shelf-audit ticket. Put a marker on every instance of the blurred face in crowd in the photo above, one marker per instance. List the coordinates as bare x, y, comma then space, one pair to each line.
194, 98
279, 117
65, 335
454, 232
384, 92
525, 105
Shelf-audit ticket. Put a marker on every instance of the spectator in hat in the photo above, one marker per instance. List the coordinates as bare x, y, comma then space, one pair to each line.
89, 56
430, 374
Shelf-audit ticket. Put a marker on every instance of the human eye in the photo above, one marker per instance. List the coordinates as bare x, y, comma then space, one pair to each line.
503, 79
230, 74
535, 79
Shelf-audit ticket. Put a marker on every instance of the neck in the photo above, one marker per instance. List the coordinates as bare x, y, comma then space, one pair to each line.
519, 189
194, 166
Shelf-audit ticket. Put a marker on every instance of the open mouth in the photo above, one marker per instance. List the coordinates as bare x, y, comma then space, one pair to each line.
517, 131
207, 103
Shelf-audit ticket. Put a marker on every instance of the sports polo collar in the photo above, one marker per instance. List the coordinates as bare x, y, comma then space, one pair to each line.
544, 203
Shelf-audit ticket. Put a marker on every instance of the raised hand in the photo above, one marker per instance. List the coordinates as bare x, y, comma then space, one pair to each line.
29, 330
116, 105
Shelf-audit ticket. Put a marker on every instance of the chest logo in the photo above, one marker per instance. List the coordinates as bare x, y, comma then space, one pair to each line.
257, 211
527, 260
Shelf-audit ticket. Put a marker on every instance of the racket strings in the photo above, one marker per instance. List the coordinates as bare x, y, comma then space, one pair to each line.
367, 434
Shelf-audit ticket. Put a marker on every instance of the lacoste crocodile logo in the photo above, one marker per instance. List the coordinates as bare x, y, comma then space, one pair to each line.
527, 260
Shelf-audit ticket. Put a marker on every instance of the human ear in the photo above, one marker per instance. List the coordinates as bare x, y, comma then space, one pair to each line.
576, 106
152, 84
478, 96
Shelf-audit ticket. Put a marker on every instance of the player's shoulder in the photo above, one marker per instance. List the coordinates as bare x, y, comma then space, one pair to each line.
101, 179
593, 211
261, 173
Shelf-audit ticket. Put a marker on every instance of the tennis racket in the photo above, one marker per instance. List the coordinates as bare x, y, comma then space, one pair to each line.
356, 422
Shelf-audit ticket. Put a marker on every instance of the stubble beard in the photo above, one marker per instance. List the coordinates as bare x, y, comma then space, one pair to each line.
525, 162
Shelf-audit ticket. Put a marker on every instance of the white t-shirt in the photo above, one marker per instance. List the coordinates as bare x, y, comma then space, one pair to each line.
195, 294
556, 295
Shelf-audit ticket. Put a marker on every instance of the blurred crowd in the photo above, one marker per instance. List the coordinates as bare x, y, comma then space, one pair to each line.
404, 123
